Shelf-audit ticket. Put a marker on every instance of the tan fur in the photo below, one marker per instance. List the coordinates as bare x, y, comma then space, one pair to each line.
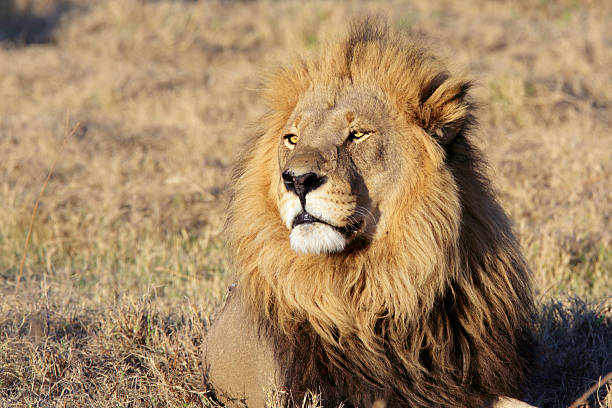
429, 304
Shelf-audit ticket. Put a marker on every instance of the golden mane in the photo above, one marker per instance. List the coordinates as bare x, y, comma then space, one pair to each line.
438, 308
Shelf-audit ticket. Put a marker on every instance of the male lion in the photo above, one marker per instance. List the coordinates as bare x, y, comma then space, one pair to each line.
374, 265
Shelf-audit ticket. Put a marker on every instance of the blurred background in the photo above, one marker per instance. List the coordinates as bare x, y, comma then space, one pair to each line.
126, 261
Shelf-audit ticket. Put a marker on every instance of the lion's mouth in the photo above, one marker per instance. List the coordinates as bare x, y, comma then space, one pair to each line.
306, 218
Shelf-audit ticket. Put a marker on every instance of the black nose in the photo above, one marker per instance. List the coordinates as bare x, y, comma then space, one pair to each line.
302, 184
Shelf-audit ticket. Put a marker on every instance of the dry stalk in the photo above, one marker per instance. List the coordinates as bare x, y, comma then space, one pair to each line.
42, 190
584, 397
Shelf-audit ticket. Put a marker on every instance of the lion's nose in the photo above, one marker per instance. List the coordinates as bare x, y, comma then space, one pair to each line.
302, 184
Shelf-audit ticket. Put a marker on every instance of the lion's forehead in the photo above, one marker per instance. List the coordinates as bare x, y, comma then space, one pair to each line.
321, 108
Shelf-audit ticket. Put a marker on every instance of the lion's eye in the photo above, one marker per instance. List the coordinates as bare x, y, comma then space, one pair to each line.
291, 140
358, 135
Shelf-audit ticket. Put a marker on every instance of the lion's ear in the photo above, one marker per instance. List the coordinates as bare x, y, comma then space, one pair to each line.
445, 110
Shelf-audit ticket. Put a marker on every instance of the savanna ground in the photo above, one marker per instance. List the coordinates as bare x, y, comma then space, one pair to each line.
127, 262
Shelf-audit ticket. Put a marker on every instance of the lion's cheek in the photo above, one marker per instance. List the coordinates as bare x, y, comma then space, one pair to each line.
332, 210
316, 238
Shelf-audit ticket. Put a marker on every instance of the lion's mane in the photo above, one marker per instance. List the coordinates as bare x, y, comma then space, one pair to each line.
434, 312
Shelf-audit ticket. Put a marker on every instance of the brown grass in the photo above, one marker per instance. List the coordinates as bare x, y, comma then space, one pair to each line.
127, 262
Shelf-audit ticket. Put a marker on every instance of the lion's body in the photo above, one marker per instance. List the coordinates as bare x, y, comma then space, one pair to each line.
425, 301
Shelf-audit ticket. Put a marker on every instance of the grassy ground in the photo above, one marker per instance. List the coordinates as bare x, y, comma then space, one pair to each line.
127, 262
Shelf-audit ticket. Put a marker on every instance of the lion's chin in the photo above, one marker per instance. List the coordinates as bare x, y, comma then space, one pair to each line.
316, 238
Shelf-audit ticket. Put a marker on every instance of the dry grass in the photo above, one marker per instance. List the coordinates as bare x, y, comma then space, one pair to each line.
127, 263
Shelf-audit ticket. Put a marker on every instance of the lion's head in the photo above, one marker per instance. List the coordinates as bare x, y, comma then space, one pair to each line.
356, 147
361, 214
344, 164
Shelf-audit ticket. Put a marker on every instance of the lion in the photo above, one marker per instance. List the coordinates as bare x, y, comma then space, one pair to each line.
374, 265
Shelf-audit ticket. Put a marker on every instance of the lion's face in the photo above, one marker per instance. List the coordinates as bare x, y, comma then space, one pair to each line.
341, 162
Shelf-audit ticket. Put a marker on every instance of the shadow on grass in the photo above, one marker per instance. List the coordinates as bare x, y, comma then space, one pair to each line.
576, 351
31, 23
